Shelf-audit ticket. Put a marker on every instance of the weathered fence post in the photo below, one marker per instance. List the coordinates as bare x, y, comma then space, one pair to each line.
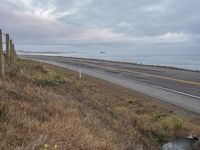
14, 54
11, 47
2, 73
8, 47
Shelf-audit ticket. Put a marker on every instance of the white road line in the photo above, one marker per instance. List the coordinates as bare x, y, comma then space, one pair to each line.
159, 87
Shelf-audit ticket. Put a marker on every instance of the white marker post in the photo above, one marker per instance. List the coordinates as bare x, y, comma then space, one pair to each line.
80, 74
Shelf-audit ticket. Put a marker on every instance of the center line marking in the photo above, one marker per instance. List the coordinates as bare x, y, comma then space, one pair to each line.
147, 74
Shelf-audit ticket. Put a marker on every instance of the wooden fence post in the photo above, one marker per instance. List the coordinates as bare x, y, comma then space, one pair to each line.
2, 73
11, 54
8, 47
10, 57
14, 54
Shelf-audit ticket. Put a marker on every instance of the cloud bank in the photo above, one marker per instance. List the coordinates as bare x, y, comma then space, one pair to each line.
62, 22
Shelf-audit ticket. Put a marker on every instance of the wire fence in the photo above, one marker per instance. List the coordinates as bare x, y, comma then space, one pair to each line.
9, 54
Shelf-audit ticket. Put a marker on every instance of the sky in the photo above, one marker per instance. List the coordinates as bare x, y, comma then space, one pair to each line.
103, 24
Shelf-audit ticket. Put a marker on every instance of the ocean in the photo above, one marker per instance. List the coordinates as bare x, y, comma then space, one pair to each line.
179, 55
189, 61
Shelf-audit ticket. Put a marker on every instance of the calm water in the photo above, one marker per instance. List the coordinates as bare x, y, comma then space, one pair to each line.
186, 61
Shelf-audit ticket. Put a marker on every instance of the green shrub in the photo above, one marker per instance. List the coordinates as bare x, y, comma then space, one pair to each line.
48, 82
173, 123
161, 137
48, 77
120, 110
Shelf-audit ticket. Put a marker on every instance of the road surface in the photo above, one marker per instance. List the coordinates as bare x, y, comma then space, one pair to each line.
174, 86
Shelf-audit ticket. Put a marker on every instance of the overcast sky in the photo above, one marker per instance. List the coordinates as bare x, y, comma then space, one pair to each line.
101, 22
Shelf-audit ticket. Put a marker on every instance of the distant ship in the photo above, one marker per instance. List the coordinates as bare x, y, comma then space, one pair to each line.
102, 52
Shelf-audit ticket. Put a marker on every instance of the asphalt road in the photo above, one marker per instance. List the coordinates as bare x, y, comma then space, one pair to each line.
178, 87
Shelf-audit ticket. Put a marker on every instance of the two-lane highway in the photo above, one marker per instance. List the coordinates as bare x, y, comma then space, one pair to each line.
178, 87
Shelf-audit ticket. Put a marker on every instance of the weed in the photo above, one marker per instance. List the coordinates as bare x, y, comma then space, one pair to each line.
173, 124
120, 110
48, 77
161, 137
3, 114
41, 69
48, 82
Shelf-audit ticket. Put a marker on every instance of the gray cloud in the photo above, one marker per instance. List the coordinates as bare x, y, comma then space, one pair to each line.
101, 21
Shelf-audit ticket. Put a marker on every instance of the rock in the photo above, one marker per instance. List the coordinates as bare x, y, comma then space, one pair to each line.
186, 143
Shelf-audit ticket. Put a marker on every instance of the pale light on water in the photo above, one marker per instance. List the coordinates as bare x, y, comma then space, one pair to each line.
191, 62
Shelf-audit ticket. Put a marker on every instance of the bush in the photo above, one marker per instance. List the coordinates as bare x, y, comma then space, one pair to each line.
47, 77
161, 137
2, 113
48, 82
120, 110
173, 125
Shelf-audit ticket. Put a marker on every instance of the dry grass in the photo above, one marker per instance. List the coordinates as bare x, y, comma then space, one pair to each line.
42, 104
